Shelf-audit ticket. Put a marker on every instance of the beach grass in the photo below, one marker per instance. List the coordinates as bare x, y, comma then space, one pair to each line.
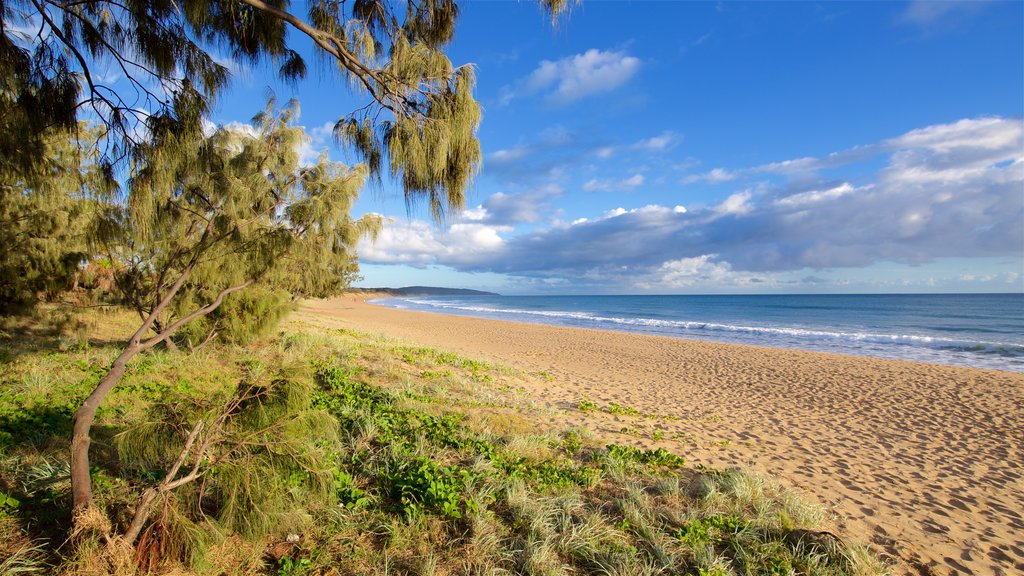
422, 462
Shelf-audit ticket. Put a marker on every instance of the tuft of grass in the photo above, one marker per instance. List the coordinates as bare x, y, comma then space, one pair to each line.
657, 457
614, 408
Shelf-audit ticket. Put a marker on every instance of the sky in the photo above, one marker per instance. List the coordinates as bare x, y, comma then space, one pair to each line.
699, 147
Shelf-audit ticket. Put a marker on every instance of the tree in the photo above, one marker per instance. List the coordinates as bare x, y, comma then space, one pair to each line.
45, 214
419, 122
207, 217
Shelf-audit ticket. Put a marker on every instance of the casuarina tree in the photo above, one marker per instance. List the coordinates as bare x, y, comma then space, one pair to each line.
210, 216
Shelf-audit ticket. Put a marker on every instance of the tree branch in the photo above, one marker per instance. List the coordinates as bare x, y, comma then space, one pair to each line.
335, 47
170, 330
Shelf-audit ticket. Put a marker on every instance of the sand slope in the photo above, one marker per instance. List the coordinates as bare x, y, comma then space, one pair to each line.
924, 461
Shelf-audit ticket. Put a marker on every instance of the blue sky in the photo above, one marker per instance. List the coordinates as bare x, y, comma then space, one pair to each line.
691, 147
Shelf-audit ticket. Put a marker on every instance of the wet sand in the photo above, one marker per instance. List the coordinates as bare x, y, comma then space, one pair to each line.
922, 461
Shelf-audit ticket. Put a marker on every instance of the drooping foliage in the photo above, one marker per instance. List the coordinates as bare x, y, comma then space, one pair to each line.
149, 67
255, 450
45, 217
234, 209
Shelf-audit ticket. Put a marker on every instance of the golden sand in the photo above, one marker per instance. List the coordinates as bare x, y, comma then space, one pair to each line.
923, 461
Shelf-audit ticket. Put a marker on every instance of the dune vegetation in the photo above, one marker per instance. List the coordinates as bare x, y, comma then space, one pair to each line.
319, 451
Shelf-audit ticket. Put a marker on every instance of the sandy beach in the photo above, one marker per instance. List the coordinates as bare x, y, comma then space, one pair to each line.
923, 461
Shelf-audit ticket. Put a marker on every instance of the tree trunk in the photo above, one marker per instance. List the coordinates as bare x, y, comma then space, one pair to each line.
81, 485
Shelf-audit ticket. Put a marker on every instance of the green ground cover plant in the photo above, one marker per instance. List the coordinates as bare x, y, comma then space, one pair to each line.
329, 452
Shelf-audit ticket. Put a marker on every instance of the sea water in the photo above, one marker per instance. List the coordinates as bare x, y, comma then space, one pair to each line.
977, 330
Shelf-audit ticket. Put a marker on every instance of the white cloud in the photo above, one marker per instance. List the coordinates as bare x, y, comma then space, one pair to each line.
714, 176
473, 237
575, 77
235, 68
815, 196
509, 154
662, 142
797, 165
650, 209
412, 242
633, 181
979, 134
738, 203
803, 167
318, 143
950, 191
476, 214
247, 129
971, 150
597, 185
686, 272
418, 243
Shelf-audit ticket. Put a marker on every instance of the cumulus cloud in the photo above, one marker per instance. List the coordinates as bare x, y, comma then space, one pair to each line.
738, 203
944, 191
575, 77
419, 244
704, 270
477, 214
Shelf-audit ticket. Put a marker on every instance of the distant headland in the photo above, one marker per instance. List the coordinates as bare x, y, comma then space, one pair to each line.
426, 291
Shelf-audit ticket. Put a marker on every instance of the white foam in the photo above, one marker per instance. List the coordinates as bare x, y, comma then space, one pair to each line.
923, 347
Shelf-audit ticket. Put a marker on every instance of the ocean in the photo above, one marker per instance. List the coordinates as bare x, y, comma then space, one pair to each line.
976, 330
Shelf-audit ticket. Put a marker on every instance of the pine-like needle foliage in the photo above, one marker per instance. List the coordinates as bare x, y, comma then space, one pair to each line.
260, 462
236, 209
146, 67
45, 217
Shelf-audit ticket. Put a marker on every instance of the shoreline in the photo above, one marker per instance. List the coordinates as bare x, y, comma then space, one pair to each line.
918, 459
944, 348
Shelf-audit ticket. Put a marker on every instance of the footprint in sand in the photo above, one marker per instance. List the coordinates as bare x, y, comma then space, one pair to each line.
959, 504
934, 527
998, 555
956, 565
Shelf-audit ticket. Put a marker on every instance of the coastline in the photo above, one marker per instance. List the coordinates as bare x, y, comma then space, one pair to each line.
983, 332
919, 459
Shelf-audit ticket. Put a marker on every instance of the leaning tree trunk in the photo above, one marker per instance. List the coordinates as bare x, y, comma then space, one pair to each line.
81, 483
